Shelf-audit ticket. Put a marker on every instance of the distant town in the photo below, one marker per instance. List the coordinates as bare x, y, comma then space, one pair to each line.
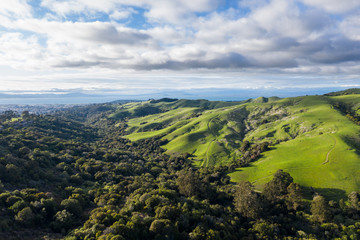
36, 109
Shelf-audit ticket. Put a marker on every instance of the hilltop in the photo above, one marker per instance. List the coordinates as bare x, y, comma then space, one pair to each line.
344, 92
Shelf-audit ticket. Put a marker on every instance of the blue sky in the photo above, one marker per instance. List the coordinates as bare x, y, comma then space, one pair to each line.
149, 46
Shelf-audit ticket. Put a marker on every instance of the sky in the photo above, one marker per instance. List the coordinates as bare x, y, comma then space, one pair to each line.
142, 47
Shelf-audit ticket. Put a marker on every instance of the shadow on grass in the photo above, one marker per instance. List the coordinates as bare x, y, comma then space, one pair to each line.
328, 193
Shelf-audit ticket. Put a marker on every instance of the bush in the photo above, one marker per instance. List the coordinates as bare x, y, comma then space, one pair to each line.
25, 217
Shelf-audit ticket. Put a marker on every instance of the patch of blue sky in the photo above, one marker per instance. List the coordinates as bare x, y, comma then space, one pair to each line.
92, 17
37, 10
228, 6
302, 7
137, 20
87, 17
26, 34
3, 29
42, 40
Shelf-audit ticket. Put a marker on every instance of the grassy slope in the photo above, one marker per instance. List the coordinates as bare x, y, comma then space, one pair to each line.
317, 143
204, 135
130, 109
142, 127
319, 157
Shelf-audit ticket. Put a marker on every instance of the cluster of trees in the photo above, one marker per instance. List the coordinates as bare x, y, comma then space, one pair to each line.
61, 178
249, 153
7, 115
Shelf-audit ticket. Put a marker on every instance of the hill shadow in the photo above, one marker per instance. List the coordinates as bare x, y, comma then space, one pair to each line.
328, 193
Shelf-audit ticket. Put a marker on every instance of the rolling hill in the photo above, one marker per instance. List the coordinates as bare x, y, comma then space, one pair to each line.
319, 146
314, 138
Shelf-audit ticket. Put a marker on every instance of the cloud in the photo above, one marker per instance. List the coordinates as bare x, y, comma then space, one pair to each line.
334, 6
338, 51
178, 11
19, 52
97, 32
15, 9
350, 27
175, 11
76, 64
67, 7
228, 61
260, 36
124, 13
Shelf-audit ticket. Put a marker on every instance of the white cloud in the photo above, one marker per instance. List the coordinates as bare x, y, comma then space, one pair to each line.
15, 8
273, 36
19, 52
280, 18
167, 35
173, 11
178, 11
350, 27
122, 13
63, 8
334, 6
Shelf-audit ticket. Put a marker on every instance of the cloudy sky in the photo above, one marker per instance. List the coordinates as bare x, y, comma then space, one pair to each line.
142, 46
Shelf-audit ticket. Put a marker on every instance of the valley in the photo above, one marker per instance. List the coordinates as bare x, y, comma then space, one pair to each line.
262, 168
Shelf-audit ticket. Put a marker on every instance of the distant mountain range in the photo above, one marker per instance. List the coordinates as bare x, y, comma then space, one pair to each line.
76, 97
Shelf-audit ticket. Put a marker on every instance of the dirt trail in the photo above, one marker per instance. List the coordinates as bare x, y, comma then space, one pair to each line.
327, 155
325, 162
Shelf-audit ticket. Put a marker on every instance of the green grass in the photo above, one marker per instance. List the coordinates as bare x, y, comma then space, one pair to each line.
315, 143
203, 133
136, 109
142, 135
305, 156
202, 137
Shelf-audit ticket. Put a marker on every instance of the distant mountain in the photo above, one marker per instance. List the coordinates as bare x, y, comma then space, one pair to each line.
101, 96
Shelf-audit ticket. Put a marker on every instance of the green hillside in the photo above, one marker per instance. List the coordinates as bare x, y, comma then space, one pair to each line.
210, 135
314, 138
323, 153
140, 109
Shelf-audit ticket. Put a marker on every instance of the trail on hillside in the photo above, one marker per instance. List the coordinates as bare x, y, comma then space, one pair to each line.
206, 162
327, 155
297, 168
